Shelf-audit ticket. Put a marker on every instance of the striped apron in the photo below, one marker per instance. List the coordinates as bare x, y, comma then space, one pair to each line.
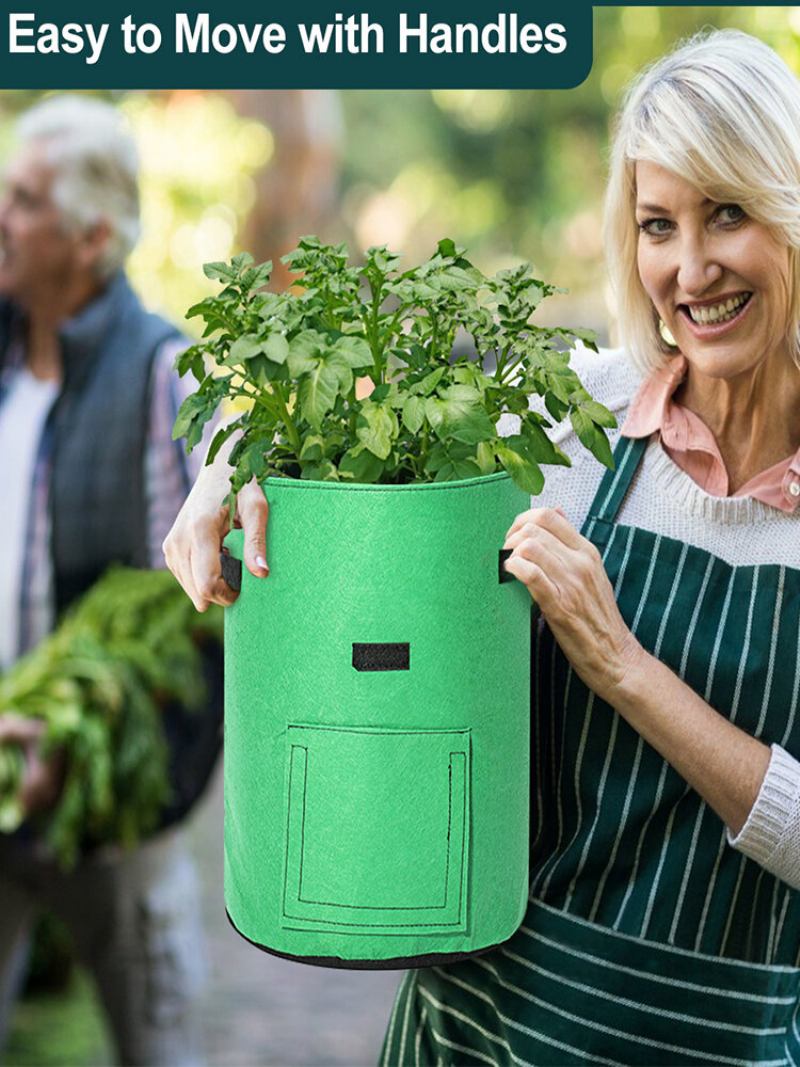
647, 939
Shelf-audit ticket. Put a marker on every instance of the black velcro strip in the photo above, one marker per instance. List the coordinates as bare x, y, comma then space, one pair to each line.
231, 571
386, 656
504, 575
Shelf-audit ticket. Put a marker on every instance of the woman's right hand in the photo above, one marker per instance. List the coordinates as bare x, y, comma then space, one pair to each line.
193, 545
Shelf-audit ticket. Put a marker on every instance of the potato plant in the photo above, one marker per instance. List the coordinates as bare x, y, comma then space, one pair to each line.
423, 335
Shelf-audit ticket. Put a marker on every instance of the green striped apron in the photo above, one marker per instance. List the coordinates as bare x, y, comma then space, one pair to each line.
647, 939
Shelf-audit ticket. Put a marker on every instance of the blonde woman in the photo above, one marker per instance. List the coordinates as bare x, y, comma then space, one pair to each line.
664, 917
663, 925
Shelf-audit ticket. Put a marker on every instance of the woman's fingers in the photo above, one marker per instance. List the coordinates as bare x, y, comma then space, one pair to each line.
540, 558
253, 514
552, 519
559, 566
192, 547
531, 575
537, 534
177, 548
207, 582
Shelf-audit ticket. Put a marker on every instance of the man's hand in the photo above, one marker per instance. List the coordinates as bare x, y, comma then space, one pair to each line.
43, 778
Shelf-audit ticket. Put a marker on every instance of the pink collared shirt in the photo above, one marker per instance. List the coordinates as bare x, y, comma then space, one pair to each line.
691, 445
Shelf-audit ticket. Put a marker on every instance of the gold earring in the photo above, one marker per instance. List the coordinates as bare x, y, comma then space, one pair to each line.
666, 336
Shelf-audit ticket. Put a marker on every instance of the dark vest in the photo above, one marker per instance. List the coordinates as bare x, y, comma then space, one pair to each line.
96, 436
99, 435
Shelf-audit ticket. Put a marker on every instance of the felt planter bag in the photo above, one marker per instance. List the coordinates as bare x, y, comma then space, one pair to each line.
377, 694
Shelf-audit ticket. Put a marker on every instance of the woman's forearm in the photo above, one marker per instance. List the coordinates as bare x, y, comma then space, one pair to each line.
723, 763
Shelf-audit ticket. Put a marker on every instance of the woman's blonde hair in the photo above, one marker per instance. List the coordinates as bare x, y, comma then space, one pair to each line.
722, 111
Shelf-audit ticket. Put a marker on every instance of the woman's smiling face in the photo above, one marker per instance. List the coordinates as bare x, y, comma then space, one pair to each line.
718, 279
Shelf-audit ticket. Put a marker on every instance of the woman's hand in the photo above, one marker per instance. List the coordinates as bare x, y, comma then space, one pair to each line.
565, 576
43, 777
193, 545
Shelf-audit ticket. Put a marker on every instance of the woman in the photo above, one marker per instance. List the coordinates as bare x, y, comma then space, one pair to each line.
664, 917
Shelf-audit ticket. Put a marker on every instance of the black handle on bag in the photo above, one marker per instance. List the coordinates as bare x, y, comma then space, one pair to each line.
503, 574
231, 571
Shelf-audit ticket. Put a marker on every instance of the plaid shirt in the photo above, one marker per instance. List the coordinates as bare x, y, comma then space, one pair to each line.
169, 474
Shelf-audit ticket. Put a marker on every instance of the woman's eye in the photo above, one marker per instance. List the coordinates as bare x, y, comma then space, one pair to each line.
655, 227
731, 213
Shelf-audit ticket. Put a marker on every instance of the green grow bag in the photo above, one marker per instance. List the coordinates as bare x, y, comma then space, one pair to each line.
377, 694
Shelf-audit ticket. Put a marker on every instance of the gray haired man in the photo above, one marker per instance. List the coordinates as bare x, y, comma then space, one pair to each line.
89, 477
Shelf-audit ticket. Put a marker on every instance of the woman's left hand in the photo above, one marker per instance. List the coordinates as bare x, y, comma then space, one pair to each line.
564, 574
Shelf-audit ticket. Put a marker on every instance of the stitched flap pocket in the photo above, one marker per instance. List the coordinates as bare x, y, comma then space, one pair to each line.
377, 835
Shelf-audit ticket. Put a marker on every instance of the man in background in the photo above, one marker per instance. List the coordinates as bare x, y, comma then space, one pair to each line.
89, 476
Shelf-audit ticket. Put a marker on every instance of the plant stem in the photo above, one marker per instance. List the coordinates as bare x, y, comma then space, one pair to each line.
372, 330
291, 429
423, 449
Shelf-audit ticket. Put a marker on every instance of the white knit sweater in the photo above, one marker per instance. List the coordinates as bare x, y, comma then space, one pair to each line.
739, 530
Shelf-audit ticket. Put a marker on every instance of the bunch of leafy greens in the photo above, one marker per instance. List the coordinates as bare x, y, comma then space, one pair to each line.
99, 683
433, 412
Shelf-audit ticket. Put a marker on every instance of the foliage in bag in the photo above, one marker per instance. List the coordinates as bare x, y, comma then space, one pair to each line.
98, 683
433, 413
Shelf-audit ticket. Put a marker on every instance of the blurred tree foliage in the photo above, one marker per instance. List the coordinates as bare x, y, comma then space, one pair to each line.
512, 175
519, 175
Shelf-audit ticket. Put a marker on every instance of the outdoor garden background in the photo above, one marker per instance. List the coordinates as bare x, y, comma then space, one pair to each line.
510, 175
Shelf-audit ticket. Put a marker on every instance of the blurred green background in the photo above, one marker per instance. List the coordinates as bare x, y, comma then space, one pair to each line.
511, 175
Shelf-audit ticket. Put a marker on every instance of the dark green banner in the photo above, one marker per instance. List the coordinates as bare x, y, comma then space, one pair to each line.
313, 45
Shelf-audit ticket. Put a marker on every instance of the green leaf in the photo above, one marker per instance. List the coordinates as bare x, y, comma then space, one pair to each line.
242, 349
313, 448
538, 445
434, 412
557, 408
220, 437
454, 413
192, 416
461, 394
453, 470
377, 426
219, 271
305, 351
304, 347
472, 427
238, 263
361, 465
525, 472
263, 370
592, 437
561, 386
429, 382
191, 359
211, 310
485, 456
451, 460
599, 414
353, 350
322, 471
317, 392
413, 413
589, 337
276, 348
256, 277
